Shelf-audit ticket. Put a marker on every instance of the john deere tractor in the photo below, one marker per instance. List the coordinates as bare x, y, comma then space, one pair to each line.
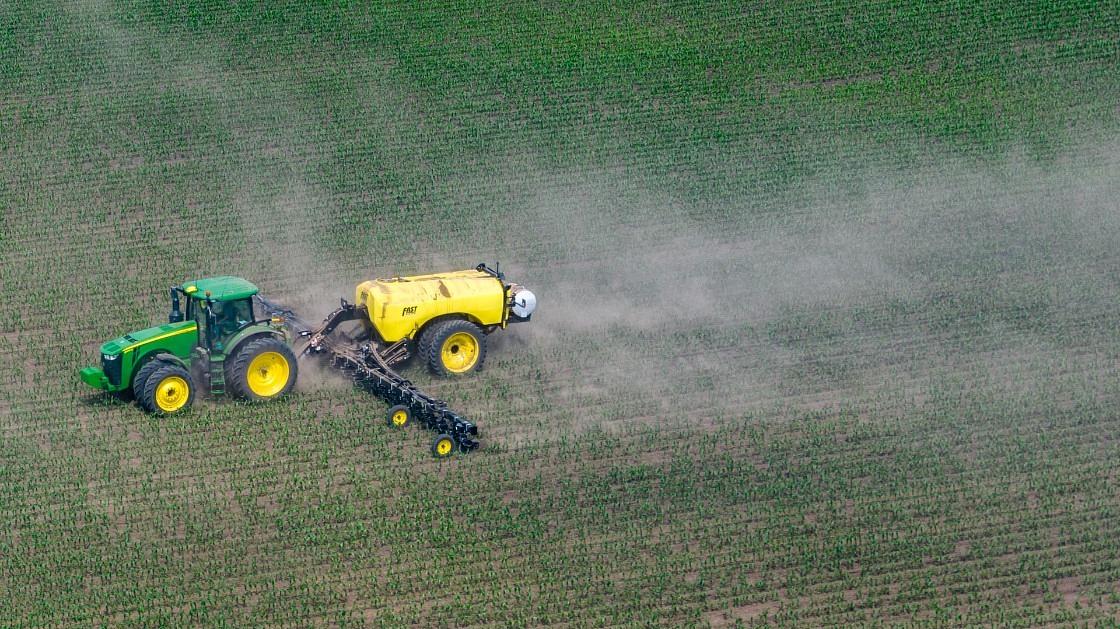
225, 343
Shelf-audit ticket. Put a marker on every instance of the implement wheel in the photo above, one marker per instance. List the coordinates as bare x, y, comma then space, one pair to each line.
398, 417
457, 348
169, 390
262, 369
442, 446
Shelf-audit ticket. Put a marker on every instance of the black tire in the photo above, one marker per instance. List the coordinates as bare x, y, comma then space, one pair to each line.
238, 376
398, 416
163, 393
443, 445
424, 342
447, 331
140, 378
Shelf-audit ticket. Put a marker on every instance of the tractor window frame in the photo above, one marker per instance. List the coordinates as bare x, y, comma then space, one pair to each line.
196, 311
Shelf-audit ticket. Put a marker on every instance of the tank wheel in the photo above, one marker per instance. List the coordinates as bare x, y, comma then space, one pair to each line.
262, 369
458, 347
425, 341
398, 417
146, 370
167, 391
443, 445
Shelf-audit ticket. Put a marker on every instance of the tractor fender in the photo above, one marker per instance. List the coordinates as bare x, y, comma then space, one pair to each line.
252, 332
159, 354
445, 317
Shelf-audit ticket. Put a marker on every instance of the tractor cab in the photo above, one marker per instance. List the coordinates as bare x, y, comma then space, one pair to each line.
220, 306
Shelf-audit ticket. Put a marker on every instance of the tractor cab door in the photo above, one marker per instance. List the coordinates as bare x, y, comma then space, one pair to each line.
203, 313
217, 322
203, 367
196, 311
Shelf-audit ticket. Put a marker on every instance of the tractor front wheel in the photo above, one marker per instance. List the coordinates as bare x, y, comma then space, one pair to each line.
456, 348
167, 391
262, 369
140, 380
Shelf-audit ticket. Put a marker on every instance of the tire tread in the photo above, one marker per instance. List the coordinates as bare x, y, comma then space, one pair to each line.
140, 378
148, 399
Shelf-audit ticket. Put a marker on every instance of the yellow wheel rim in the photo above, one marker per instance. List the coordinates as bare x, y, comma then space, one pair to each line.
459, 352
172, 393
400, 418
443, 447
268, 374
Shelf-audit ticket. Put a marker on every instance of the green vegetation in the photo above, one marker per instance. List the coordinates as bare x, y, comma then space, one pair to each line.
827, 331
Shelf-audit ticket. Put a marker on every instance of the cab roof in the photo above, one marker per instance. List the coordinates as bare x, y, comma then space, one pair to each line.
222, 288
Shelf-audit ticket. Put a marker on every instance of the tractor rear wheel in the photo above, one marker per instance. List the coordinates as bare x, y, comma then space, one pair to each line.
457, 348
262, 369
169, 390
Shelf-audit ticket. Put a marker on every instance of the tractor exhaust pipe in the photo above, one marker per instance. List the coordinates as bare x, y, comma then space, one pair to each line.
176, 315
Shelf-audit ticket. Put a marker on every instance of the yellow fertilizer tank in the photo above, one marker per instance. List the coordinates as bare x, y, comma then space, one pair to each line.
446, 316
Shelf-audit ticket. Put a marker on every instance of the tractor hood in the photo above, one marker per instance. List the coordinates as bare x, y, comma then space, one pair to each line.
132, 340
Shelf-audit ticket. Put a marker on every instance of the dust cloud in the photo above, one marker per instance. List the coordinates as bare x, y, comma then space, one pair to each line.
997, 269
837, 251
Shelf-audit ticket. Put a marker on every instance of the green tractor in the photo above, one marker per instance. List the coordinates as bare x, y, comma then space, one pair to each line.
219, 345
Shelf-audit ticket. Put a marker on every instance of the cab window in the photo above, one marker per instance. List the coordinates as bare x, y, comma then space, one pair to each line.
231, 316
